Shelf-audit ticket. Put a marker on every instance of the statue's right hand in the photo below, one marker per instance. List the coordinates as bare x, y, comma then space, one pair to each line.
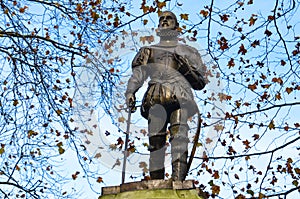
130, 101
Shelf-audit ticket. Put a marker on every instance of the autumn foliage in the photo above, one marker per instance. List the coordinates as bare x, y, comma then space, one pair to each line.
62, 58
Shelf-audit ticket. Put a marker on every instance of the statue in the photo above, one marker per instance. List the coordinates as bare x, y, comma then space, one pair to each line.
174, 69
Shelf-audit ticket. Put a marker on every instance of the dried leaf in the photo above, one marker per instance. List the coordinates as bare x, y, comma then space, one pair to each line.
231, 63
252, 87
2, 150
236, 176
268, 33
160, 5
143, 131
224, 17
271, 125
252, 20
289, 90
145, 21
255, 43
215, 189
16, 102
216, 174
247, 144
204, 13
218, 127
278, 96
121, 119
208, 140
255, 136
277, 80
61, 150
98, 155
184, 16
242, 50
99, 179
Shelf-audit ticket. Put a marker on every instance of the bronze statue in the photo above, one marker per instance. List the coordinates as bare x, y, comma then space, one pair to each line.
174, 69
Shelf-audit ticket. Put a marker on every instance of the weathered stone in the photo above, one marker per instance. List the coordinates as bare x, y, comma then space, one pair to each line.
155, 194
153, 189
110, 190
187, 184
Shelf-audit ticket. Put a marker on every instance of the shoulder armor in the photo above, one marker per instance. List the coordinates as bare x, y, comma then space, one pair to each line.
142, 57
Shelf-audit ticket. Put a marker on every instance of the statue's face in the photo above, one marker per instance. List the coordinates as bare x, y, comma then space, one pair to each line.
167, 21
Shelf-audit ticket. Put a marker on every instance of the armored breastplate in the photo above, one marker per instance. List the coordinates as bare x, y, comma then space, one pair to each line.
164, 57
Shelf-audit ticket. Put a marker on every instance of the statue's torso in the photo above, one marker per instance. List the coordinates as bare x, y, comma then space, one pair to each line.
167, 86
162, 66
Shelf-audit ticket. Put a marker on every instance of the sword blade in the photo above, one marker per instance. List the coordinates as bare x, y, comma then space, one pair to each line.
126, 146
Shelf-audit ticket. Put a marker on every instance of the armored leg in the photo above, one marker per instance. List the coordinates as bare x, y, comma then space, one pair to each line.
157, 141
179, 144
157, 157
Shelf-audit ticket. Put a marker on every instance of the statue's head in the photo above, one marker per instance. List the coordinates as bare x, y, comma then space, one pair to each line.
168, 20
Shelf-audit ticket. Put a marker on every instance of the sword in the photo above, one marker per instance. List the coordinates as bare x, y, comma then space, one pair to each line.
130, 110
196, 138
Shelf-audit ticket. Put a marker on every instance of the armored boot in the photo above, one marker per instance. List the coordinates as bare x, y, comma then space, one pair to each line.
157, 156
179, 150
157, 124
179, 144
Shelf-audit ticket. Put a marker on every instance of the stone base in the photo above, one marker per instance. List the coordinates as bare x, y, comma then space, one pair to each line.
153, 189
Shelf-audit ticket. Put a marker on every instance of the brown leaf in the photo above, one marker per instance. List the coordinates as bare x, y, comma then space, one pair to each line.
268, 33
121, 119
75, 175
271, 125
278, 96
277, 80
266, 86
223, 97
252, 20
143, 131
22, 10
231, 63
224, 17
218, 127
270, 18
204, 13
223, 43
252, 87
99, 179
208, 140
184, 16
240, 3
16, 102
255, 136
216, 174
215, 189
160, 5
255, 43
242, 50
240, 196
282, 63
145, 21
247, 144
236, 176
286, 128
98, 155
289, 90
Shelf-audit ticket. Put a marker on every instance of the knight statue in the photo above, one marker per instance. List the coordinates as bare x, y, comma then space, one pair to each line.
174, 70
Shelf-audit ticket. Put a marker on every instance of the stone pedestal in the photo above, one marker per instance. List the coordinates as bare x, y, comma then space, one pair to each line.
153, 189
